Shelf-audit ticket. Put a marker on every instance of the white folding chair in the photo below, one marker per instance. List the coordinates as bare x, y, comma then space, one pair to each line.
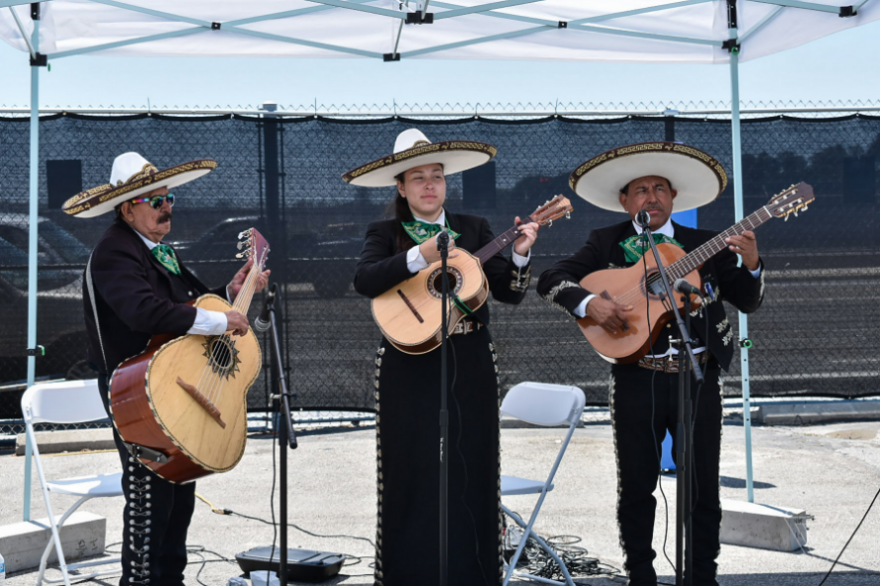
67, 402
547, 405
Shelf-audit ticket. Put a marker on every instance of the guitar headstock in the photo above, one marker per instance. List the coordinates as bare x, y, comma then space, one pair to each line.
252, 244
554, 209
792, 200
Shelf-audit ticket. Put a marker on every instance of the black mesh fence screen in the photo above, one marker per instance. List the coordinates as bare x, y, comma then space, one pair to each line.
813, 336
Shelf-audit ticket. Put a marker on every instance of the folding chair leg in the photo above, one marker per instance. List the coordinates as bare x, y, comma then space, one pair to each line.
526, 534
55, 540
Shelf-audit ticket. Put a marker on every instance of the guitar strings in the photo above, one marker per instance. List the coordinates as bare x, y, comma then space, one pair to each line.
224, 356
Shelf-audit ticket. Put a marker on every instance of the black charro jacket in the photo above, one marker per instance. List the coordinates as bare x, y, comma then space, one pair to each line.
136, 298
382, 266
559, 284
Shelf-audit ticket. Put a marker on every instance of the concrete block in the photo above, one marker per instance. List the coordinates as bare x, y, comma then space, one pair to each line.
22, 544
815, 412
763, 526
69, 440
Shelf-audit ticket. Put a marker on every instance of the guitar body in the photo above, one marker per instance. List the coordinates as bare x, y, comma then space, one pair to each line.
410, 314
649, 314
176, 399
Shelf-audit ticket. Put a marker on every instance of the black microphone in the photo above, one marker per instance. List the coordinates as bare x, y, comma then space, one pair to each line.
262, 323
684, 287
643, 218
443, 239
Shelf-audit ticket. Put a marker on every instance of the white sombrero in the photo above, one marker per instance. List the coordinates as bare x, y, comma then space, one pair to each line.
131, 176
413, 149
698, 177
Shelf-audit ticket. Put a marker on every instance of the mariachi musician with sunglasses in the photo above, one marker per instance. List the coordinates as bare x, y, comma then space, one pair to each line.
140, 289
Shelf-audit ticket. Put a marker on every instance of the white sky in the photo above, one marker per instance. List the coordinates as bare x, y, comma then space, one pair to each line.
839, 67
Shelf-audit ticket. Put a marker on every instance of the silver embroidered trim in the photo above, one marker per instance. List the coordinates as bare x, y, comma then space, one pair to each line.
550, 297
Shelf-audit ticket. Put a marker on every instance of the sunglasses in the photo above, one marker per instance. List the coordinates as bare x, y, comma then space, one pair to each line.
156, 201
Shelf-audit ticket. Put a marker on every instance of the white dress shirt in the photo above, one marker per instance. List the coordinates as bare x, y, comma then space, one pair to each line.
208, 322
415, 261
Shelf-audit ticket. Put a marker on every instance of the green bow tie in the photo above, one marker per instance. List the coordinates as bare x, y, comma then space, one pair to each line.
634, 246
422, 231
165, 255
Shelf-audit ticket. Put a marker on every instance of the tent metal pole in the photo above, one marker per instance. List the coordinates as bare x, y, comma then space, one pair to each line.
33, 243
738, 213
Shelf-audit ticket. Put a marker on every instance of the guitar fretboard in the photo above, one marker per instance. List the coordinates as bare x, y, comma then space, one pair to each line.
499, 244
700, 255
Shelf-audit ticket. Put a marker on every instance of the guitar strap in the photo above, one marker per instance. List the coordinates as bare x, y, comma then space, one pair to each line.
91, 288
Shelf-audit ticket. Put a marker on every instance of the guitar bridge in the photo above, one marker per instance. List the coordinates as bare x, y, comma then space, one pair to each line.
203, 401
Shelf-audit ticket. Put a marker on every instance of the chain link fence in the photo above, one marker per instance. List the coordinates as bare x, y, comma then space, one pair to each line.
282, 174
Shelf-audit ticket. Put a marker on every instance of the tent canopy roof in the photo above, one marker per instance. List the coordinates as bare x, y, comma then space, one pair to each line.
688, 31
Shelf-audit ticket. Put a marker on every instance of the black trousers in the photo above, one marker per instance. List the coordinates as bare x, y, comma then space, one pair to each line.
155, 519
637, 400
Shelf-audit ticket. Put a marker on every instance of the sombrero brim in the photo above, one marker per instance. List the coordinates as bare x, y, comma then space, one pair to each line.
455, 156
697, 177
100, 200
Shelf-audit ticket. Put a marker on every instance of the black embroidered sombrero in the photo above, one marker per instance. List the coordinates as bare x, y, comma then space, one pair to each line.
413, 149
698, 177
133, 175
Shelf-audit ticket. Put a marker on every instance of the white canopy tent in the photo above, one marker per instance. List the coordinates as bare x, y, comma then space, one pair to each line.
687, 31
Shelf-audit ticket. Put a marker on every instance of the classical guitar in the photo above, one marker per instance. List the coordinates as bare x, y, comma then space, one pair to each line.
182, 403
637, 287
409, 314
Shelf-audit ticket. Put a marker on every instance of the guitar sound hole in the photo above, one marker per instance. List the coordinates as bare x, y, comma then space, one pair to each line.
435, 282
221, 353
655, 285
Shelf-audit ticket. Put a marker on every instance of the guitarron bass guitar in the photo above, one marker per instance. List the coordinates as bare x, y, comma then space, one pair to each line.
182, 403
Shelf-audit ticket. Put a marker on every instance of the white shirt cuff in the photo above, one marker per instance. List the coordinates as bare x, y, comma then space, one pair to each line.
208, 323
415, 261
581, 309
520, 260
757, 272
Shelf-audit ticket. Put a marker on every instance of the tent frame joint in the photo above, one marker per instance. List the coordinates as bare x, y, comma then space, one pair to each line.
731, 45
419, 17
847, 12
391, 57
39, 60
562, 24
215, 26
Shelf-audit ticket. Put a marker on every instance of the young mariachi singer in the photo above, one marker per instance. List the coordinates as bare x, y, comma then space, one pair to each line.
141, 289
408, 385
644, 394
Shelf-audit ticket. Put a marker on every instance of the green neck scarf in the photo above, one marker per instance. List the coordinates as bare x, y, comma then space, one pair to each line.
165, 255
635, 246
422, 231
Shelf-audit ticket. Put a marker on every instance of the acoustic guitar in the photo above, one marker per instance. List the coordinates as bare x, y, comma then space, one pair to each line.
642, 288
409, 314
182, 403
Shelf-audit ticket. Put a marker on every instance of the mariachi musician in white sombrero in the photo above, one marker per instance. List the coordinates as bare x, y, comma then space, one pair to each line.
659, 177
141, 289
408, 385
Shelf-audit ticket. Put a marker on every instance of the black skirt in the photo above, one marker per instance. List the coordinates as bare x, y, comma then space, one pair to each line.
408, 432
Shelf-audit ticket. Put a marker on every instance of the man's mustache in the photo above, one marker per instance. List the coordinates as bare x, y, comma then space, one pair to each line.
165, 217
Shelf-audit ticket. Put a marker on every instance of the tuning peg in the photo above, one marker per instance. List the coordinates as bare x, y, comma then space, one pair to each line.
550, 223
567, 215
786, 217
241, 244
247, 253
806, 207
245, 234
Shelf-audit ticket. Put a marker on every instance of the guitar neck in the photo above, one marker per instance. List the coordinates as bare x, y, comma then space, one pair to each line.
697, 257
497, 245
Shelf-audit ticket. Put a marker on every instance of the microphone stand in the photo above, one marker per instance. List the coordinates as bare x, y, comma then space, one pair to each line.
286, 435
684, 437
443, 247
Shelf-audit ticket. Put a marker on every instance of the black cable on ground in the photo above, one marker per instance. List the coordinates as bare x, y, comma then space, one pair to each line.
536, 561
837, 559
